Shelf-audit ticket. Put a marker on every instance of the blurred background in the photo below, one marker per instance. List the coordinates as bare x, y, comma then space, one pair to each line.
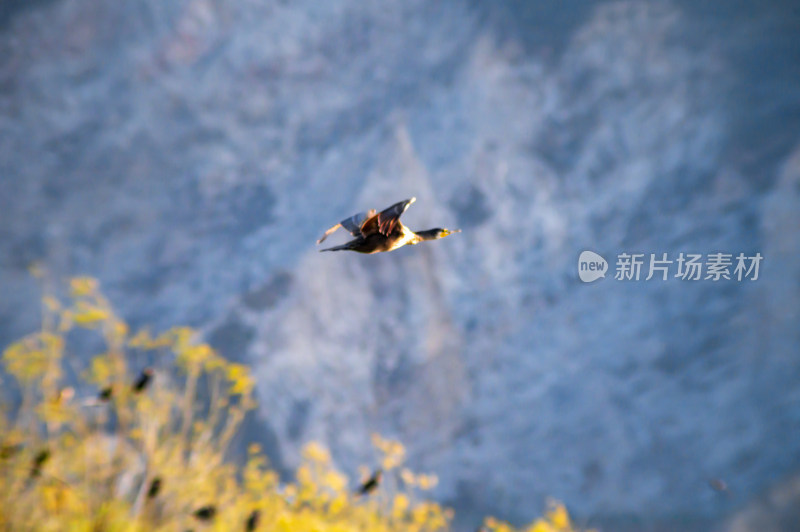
188, 153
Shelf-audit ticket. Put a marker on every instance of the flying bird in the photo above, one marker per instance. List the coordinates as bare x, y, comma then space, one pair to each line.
382, 231
154, 489
205, 513
719, 485
371, 484
252, 521
104, 395
142, 380
38, 462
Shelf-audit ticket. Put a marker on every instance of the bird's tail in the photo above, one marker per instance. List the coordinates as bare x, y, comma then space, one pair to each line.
337, 248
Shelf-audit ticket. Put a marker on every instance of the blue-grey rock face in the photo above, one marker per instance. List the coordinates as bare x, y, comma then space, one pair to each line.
188, 153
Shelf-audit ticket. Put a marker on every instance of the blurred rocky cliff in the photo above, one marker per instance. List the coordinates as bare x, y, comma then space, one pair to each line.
189, 152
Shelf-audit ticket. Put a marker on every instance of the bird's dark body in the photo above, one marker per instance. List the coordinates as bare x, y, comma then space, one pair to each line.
252, 521
205, 513
105, 393
155, 488
143, 380
374, 243
371, 484
38, 462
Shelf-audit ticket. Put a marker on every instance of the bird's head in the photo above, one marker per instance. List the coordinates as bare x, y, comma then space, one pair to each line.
436, 233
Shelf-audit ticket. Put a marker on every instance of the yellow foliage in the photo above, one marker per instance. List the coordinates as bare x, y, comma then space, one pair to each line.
558, 516
241, 383
427, 482
400, 507
314, 452
100, 370
51, 304
25, 361
335, 481
556, 519
91, 463
394, 452
87, 315
82, 286
540, 525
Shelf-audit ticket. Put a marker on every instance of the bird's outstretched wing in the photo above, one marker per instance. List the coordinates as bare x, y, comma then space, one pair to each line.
352, 224
366, 223
387, 219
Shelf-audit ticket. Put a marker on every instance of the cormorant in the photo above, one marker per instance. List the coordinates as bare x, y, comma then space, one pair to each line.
205, 513
252, 521
39, 461
383, 231
155, 487
143, 380
105, 394
719, 485
371, 484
